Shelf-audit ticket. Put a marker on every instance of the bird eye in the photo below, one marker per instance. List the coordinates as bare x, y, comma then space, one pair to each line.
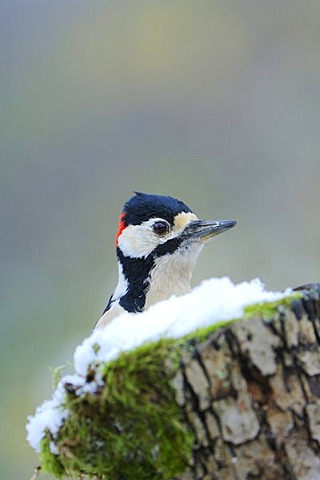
160, 228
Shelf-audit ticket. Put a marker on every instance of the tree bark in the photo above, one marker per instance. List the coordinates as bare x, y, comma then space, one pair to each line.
251, 394
235, 402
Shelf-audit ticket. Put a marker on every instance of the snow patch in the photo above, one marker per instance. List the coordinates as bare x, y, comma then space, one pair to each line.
215, 300
49, 416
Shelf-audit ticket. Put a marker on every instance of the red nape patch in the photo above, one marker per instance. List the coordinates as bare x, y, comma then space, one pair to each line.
121, 227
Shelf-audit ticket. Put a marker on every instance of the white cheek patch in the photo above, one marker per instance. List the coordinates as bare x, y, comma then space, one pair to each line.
137, 241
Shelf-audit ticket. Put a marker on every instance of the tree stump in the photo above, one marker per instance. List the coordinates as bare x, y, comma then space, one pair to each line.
251, 394
238, 402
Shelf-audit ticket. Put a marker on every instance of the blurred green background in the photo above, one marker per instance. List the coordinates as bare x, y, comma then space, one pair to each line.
214, 102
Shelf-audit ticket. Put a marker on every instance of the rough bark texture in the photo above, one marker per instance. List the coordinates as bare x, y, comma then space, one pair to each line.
251, 394
237, 402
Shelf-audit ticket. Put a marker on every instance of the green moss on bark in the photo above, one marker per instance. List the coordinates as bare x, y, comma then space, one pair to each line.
49, 462
267, 310
131, 428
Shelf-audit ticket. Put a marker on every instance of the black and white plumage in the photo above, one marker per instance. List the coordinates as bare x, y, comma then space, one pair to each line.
158, 242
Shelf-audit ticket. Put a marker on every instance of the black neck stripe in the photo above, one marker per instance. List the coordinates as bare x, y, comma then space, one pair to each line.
137, 273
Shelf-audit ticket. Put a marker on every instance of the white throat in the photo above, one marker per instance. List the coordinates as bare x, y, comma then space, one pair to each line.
172, 274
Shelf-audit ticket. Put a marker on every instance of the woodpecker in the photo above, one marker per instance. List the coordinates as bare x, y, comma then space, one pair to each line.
158, 241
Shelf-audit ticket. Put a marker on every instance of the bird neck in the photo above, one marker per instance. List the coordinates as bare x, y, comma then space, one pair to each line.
171, 275
133, 282
145, 281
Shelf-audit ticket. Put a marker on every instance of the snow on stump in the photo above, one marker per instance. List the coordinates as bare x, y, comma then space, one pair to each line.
223, 383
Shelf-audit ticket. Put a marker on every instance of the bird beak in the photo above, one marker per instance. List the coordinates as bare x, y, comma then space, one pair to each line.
204, 230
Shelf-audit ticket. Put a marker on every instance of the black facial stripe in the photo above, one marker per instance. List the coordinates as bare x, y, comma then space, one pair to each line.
169, 247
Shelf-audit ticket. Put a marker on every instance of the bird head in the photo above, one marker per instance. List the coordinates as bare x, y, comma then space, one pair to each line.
158, 225
158, 242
